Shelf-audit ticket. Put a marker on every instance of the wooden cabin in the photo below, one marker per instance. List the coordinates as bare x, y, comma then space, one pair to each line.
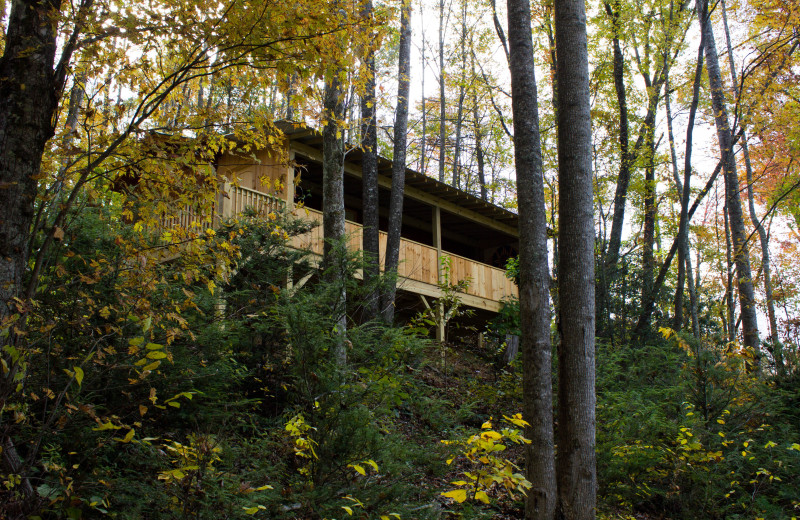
438, 220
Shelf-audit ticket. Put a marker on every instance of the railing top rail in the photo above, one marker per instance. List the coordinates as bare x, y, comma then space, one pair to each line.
256, 192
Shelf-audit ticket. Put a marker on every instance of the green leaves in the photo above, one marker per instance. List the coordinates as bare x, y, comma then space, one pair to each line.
488, 471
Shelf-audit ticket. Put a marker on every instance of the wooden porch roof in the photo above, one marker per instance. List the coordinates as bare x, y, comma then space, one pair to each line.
298, 133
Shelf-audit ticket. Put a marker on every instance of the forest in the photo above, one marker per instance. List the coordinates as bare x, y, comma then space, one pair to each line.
160, 367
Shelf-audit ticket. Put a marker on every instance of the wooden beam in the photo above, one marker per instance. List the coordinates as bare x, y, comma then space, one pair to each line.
432, 291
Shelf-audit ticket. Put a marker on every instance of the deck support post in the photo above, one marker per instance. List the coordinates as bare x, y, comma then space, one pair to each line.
436, 231
223, 202
290, 183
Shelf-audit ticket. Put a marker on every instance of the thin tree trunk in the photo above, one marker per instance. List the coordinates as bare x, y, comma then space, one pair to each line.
441, 92
679, 188
577, 479
369, 193
762, 234
479, 149
729, 297
683, 223
424, 144
741, 256
648, 301
649, 232
398, 163
333, 226
457, 147
460, 108
534, 283
624, 176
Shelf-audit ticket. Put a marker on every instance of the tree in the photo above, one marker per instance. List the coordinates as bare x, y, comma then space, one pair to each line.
725, 138
575, 461
534, 275
762, 234
334, 255
655, 52
442, 105
399, 162
30, 89
151, 59
369, 176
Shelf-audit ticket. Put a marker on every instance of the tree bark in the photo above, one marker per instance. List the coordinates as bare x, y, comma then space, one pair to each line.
369, 189
679, 189
31, 85
479, 150
683, 223
441, 92
762, 234
534, 283
29, 94
624, 176
650, 213
398, 163
577, 479
741, 256
730, 305
333, 226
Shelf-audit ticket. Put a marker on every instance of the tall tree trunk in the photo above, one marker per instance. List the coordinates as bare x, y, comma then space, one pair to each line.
762, 234
741, 256
461, 96
679, 188
441, 92
577, 479
333, 227
398, 162
457, 147
649, 232
683, 223
479, 149
29, 94
624, 176
649, 299
534, 283
31, 85
369, 177
424, 143
730, 305
609, 265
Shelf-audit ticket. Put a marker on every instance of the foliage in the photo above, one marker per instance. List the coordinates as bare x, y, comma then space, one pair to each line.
686, 413
487, 470
448, 306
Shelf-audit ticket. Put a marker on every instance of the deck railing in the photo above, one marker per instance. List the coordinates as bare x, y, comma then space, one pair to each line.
231, 201
240, 198
418, 262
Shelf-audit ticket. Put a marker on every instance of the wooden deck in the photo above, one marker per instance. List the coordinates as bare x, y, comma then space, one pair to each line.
419, 263
419, 266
